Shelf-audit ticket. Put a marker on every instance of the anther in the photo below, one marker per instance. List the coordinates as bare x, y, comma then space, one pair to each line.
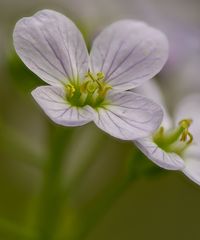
185, 124
91, 91
100, 75
190, 138
70, 90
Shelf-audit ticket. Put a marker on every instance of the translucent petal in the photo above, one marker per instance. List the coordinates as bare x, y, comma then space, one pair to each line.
52, 100
51, 46
192, 163
170, 161
129, 52
129, 116
188, 108
151, 90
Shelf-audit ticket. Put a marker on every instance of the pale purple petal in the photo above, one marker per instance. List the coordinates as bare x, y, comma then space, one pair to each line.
53, 102
192, 163
151, 90
51, 46
170, 161
129, 52
129, 116
189, 108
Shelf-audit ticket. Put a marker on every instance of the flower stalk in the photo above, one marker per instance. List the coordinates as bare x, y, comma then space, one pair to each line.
49, 209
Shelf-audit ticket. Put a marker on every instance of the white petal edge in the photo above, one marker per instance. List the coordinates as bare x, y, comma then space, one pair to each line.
128, 116
129, 52
188, 108
169, 161
51, 46
52, 100
192, 163
152, 91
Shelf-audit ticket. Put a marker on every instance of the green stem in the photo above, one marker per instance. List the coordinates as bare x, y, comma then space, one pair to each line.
51, 193
85, 167
87, 161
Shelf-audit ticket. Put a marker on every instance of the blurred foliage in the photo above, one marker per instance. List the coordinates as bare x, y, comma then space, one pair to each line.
21, 76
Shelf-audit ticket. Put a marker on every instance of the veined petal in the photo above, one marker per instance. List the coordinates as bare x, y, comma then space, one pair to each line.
128, 53
192, 163
128, 116
51, 46
53, 102
151, 90
170, 161
189, 108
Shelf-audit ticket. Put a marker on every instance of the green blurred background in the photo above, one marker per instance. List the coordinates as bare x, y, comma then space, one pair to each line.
157, 204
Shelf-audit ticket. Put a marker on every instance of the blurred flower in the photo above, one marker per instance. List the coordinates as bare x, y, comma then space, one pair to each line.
123, 56
176, 148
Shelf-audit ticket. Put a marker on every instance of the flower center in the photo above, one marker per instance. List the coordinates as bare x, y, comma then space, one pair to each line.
91, 91
176, 140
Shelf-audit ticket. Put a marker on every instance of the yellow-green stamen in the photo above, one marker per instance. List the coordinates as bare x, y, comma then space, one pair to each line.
91, 91
176, 140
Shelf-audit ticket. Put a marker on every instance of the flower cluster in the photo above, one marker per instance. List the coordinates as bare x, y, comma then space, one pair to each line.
83, 87
96, 87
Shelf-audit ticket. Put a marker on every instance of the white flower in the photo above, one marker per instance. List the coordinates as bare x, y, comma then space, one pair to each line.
85, 88
175, 146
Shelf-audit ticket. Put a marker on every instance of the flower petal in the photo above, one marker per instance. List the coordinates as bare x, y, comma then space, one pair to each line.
52, 101
192, 163
170, 161
51, 46
129, 116
189, 108
129, 52
151, 90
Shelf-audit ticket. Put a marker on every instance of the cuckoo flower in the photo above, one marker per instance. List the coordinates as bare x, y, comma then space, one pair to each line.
85, 88
175, 146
